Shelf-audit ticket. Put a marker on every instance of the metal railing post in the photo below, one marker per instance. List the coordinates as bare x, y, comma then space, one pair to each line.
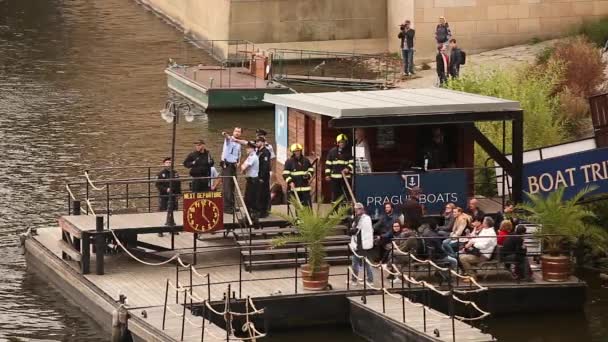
166, 298
100, 245
363, 261
108, 204
204, 313
183, 316
190, 271
402, 296
241, 276
127, 195
423, 307
383, 289
208, 286
149, 191
296, 272
176, 283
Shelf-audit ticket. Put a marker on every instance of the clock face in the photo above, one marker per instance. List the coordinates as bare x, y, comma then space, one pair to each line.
203, 215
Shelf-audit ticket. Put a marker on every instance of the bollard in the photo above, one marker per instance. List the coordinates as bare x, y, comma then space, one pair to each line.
120, 324
100, 245
76, 208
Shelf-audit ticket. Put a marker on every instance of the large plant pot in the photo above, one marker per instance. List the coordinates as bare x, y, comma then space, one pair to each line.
316, 281
555, 268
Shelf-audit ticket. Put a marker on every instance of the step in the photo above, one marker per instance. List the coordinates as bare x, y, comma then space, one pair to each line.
275, 251
333, 239
243, 233
283, 263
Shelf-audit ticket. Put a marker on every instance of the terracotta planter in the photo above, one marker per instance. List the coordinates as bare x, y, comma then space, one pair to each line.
555, 268
316, 281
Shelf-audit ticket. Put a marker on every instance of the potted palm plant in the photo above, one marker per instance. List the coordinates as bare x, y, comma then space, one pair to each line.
313, 227
564, 225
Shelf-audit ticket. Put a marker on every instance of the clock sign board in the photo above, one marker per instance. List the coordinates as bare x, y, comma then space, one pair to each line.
203, 211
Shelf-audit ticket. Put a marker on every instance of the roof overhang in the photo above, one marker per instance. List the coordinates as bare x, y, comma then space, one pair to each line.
400, 107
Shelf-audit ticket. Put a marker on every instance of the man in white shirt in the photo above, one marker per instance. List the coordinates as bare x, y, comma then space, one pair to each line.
250, 168
362, 243
479, 249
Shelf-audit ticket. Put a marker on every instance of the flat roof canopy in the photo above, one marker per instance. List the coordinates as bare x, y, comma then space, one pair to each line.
400, 107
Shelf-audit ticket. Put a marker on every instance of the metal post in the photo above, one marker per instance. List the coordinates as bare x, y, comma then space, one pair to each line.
296, 272
176, 282
423, 307
362, 263
183, 316
382, 284
127, 195
108, 204
452, 307
87, 193
227, 317
100, 245
209, 286
166, 298
204, 313
517, 150
190, 269
69, 204
194, 244
149, 191
402, 296
170, 221
241, 276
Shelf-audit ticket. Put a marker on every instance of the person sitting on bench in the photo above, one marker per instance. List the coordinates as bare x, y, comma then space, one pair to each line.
479, 249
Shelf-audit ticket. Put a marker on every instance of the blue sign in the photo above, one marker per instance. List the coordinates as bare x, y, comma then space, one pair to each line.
280, 129
573, 171
438, 189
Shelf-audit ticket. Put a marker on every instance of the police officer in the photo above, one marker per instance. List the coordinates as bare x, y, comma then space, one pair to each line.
264, 176
250, 168
339, 163
167, 191
199, 162
262, 133
297, 173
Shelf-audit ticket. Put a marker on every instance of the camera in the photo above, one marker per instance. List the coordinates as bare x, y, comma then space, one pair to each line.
402, 27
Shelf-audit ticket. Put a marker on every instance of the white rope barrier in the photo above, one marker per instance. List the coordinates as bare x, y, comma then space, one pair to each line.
86, 174
67, 187
195, 272
480, 287
90, 207
430, 262
176, 256
471, 303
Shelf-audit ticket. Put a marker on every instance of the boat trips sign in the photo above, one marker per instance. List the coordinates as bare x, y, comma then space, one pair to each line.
573, 171
438, 189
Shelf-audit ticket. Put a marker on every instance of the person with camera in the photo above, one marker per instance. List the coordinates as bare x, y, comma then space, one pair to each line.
406, 35
231, 155
200, 163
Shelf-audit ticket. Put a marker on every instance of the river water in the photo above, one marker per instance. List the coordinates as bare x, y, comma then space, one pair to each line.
81, 86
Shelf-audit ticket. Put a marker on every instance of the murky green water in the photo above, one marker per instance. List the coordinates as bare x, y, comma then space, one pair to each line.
81, 85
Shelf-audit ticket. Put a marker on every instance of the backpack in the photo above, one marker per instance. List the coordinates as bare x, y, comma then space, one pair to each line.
463, 57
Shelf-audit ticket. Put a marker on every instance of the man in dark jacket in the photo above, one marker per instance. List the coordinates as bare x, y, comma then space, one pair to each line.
513, 250
338, 167
199, 162
406, 35
385, 223
433, 241
412, 209
443, 64
167, 190
264, 158
455, 59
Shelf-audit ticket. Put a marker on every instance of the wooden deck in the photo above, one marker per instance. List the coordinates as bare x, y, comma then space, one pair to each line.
210, 77
411, 315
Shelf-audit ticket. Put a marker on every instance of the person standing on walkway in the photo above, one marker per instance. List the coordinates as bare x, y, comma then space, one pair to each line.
200, 163
338, 168
455, 59
231, 155
264, 176
167, 190
362, 243
251, 168
443, 64
298, 172
407, 34
443, 34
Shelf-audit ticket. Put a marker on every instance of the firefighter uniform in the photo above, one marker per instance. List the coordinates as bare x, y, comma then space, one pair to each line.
338, 159
299, 171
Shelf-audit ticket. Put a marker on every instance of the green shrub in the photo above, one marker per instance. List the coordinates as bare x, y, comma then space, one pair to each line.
596, 31
534, 88
545, 55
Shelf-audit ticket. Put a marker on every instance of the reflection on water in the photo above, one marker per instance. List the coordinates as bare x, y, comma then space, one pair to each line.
81, 86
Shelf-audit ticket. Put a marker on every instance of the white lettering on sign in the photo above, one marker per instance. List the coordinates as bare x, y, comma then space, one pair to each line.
443, 198
551, 181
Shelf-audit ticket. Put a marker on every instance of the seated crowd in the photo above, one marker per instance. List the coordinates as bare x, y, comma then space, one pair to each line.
465, 240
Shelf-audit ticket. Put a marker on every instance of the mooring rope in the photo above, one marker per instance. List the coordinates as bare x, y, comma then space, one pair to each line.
90, 207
